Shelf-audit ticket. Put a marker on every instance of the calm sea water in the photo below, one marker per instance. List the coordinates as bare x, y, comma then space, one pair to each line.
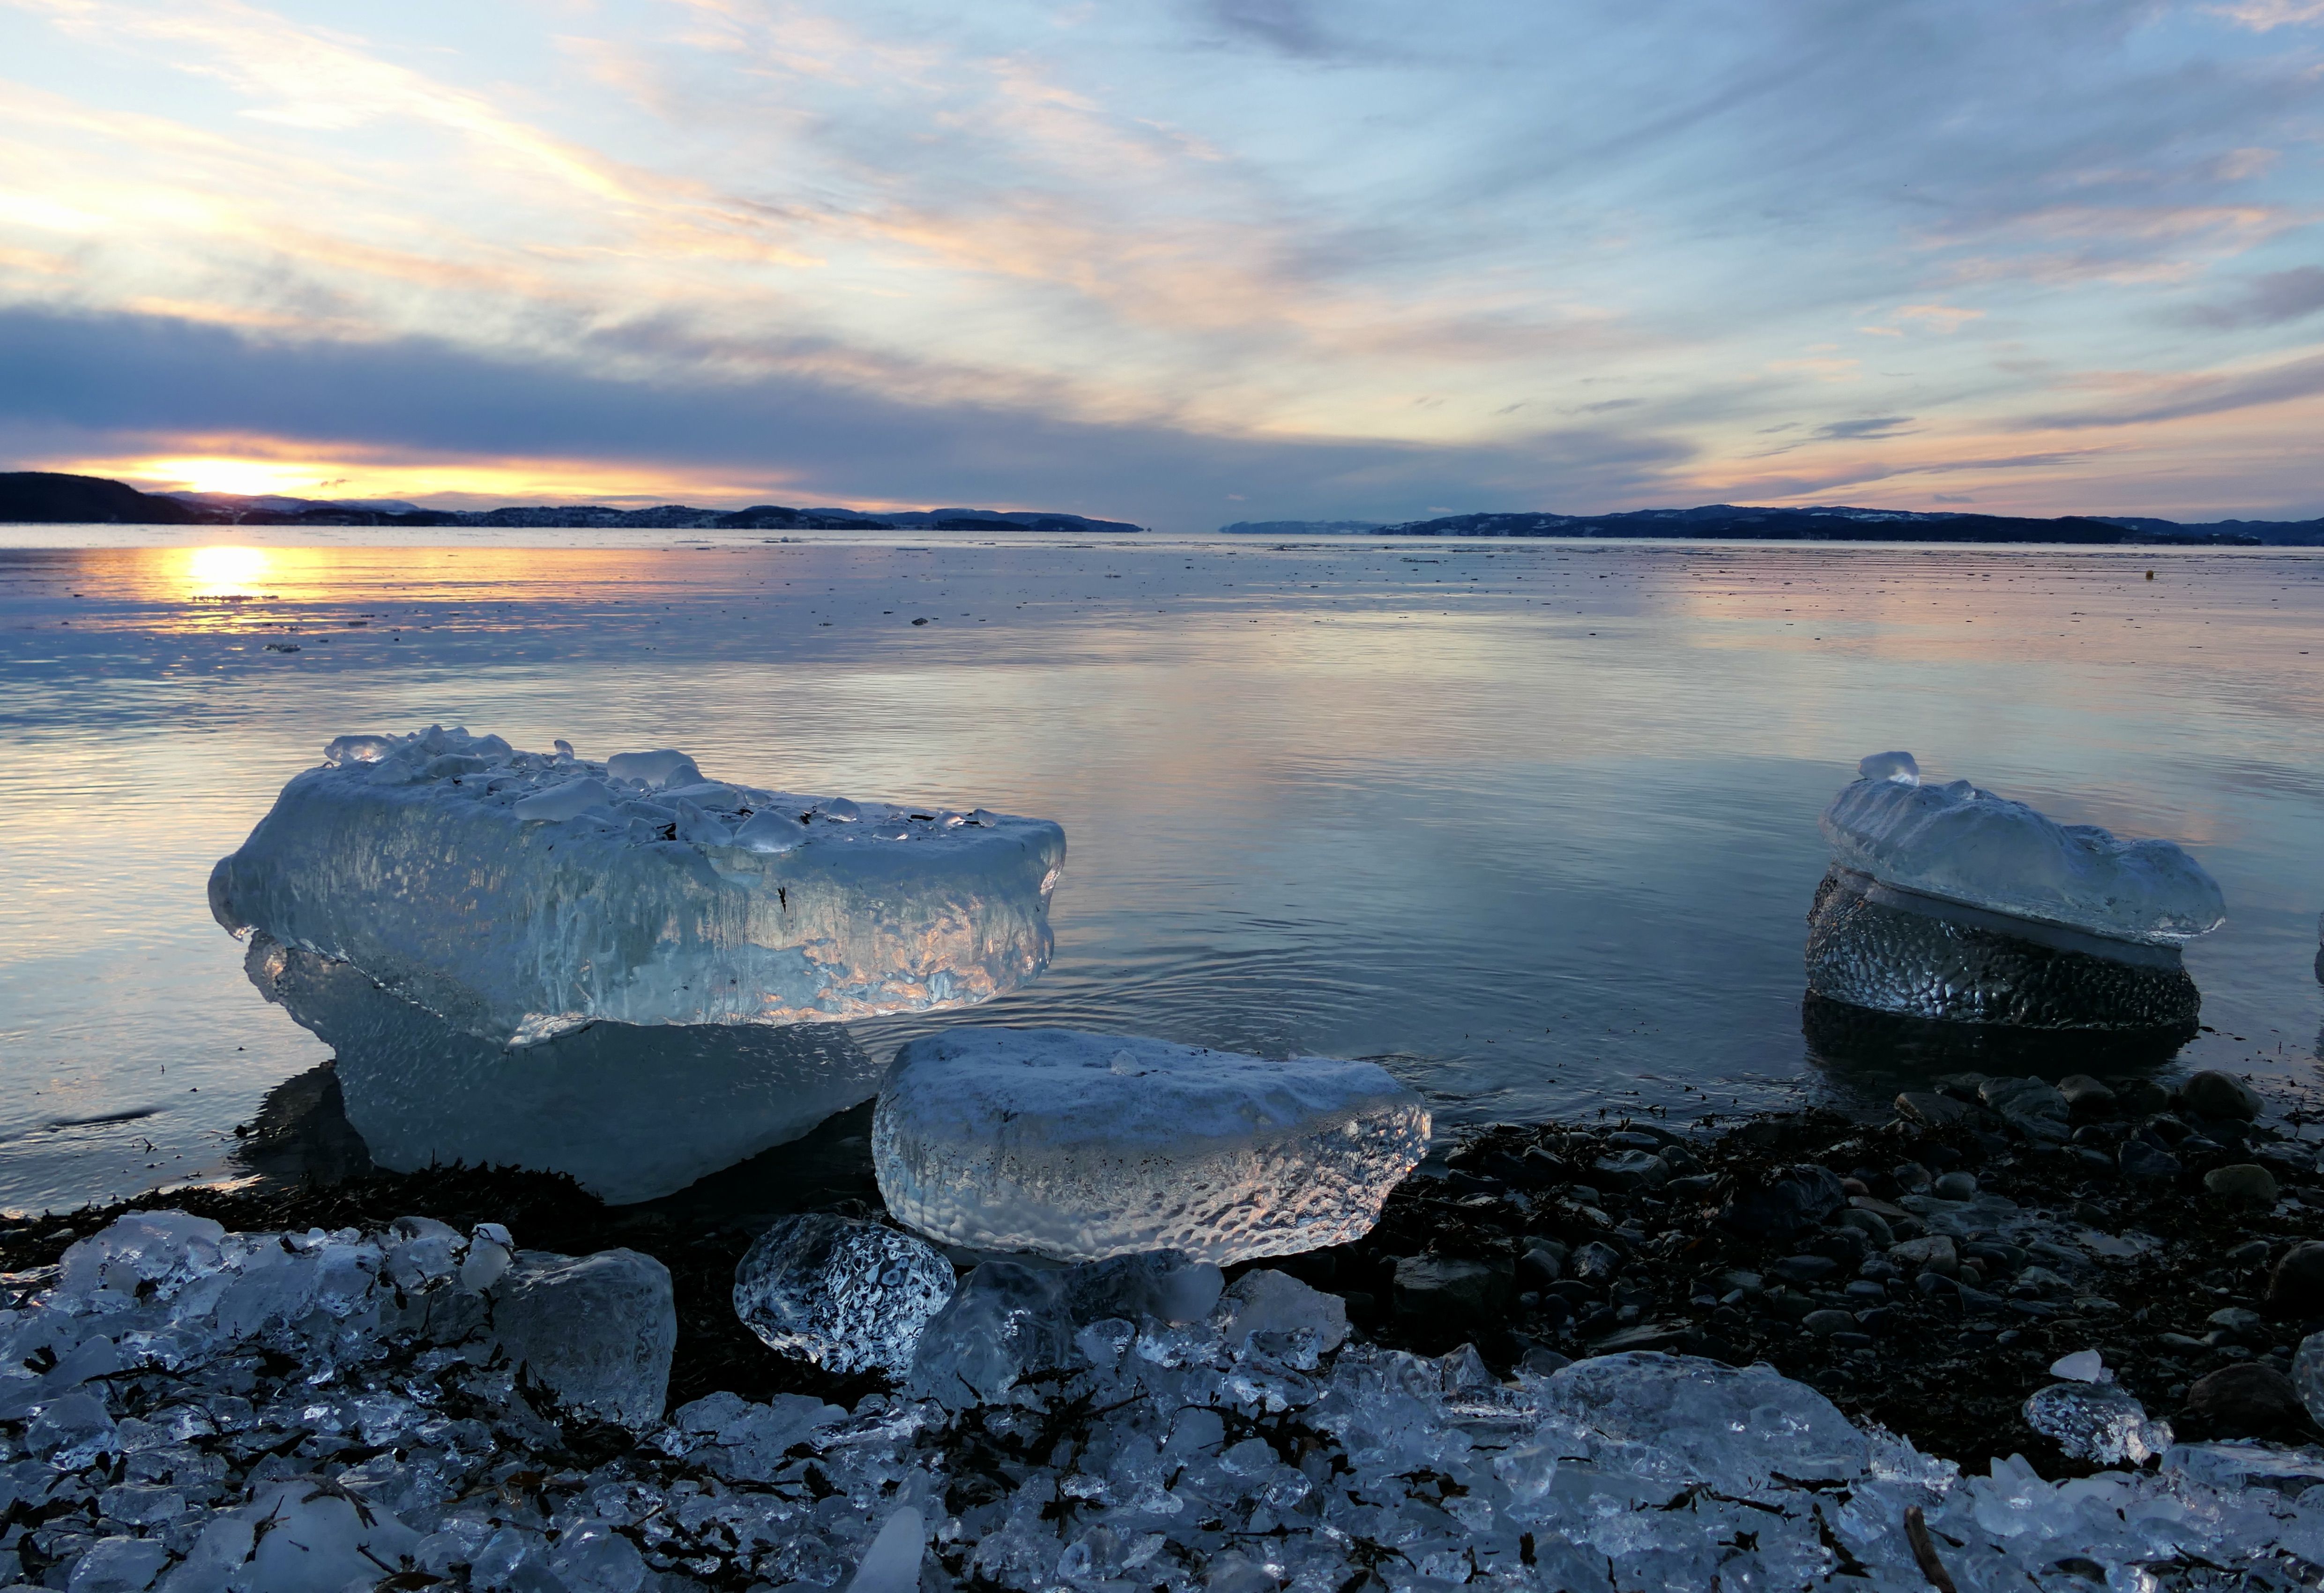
1533, 823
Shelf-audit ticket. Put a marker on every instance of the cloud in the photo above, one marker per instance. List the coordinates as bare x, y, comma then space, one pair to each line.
2268, 300
1287, 25
2150, 399
2263, 15
1869, 431
120, 385
1951, 498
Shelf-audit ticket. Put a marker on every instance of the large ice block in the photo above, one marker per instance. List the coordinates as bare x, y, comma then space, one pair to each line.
521, 894
630, 1111
1961, 844
1082, 1146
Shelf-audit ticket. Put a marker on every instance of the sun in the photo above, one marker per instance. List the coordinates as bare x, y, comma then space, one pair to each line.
252, 478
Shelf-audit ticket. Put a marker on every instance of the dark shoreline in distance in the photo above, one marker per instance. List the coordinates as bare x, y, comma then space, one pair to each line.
1726, 522
33, 497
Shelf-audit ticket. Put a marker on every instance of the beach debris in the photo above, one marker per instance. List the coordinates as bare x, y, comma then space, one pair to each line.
1080, 1146
634, 890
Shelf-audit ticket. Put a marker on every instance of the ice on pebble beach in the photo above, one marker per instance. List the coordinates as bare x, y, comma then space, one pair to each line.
520, 896
1959, 843
2094, 1421
196, 1411
1080, 1146
1950, 903
632, 1112
846, 1294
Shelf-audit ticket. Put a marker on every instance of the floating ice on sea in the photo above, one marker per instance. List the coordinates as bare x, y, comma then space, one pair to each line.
1080, 1147
1159, 1448
847, 1296
1961, 844
409, 858
630, 1111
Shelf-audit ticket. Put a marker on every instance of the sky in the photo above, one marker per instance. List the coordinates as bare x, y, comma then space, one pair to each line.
1175, 262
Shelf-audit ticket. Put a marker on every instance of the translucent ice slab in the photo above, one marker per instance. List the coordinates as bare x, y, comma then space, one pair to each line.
1082, 1146
521, 895
630, 1111
1961, 844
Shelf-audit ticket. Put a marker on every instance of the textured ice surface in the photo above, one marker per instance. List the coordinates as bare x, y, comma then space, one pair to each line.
2097, 1422
1892, 952
1961, 844
847, 1296
268, 1413
667, 899
1080, 1146
632, 1111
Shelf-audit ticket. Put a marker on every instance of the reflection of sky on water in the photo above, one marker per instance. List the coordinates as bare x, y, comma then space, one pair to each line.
1536, 819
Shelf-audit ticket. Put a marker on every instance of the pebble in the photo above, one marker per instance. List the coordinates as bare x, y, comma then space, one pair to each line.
1955, 1186
2244, 1401
2143, 1163
2087, 1100
1791, 1200
2296, 1285
2215, 1095
1827, 1323
2242, 1181
1448, 1288
1934, 1254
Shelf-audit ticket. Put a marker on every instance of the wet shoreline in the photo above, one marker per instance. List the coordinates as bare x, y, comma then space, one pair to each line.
1808, 1241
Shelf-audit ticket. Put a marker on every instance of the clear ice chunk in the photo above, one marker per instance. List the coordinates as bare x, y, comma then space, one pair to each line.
1008, 1320
892, 1563
847, 1296
2099, 1421
598, 1331
1961, 844
632, 1111
416, 867
1080, 1147
1735, 1428
1263, 1300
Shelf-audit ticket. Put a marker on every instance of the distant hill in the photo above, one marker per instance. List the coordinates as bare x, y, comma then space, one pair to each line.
1835, 524
44, 498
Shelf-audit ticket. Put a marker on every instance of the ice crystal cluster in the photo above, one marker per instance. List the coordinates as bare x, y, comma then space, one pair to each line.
1961, 844
520, 896
1080, 1147
195, 1410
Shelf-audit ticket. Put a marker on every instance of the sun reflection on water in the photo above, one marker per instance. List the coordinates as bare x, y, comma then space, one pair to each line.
225, 572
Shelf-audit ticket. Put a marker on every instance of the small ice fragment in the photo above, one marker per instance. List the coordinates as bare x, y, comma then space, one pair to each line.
490, 1252
564, 748
1080, 1146
2097, 1421
892, 1563
1263, 1300
697, 828
847, 1296
1008, 1320
840, 809
657, 770
569, 800
2084, 1366
357, 749
2308, 1375
767, 831
598, 1331
1898, 767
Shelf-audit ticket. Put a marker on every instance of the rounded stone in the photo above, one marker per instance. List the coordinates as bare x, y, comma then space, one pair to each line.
2215, 1095
1825, 1323
1955, 1186
2242, 1181
2243, 1401
2295, 1287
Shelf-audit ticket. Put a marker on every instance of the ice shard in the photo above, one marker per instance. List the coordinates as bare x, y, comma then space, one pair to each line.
520, 896
632, 1112
1950, 903
1082, 1146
